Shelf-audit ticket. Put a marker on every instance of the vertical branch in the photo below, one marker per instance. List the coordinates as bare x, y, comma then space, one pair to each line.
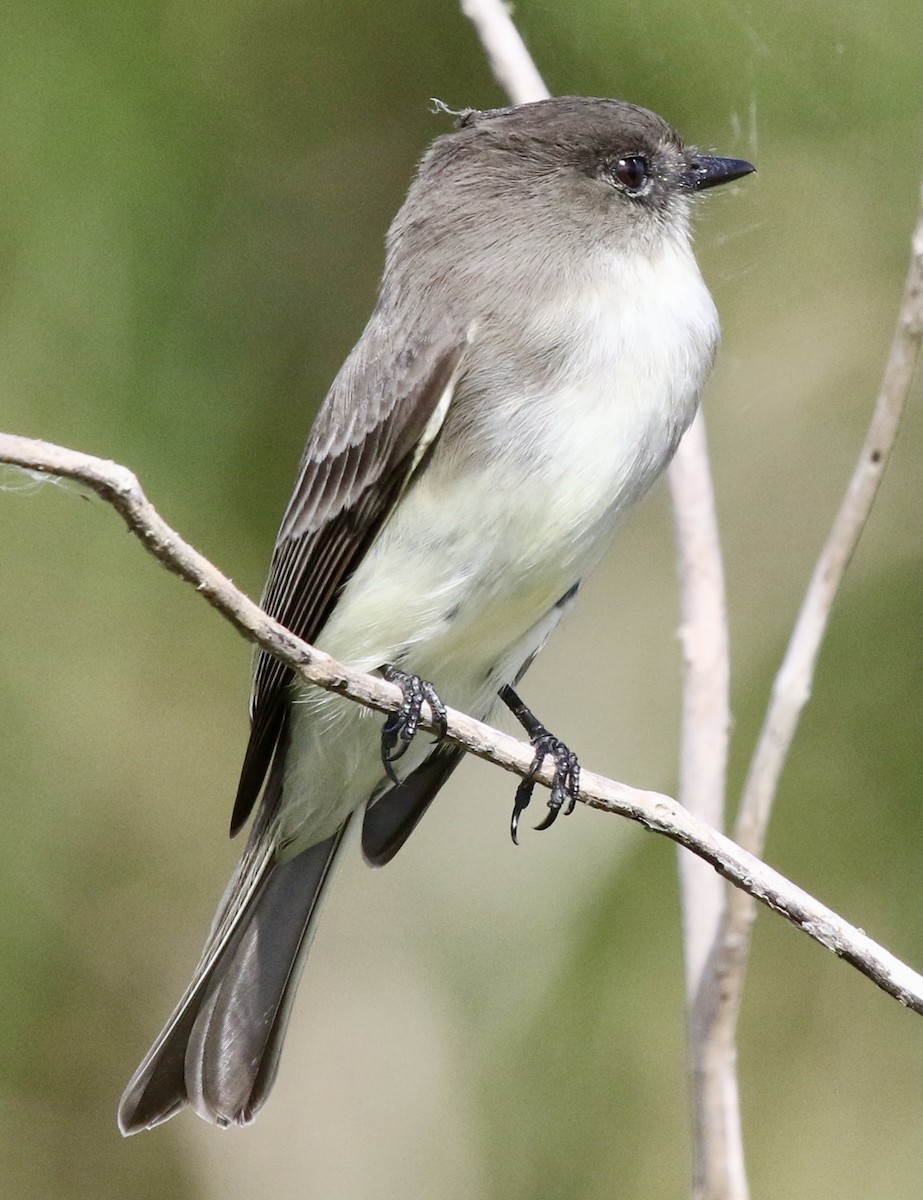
792, 687
706, 716
506, 52
718, 1152
706, 707
720, 995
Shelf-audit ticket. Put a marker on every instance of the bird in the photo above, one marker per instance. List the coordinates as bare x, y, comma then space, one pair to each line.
539, 345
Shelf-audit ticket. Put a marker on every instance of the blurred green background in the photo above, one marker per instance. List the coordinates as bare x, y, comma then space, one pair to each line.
194, 197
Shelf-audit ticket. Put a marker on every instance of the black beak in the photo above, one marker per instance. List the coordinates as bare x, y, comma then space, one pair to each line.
703, 171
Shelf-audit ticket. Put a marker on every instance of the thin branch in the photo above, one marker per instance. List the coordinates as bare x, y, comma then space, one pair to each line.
706, 685
119, 487
718, 1139
719, 1166
509, 59
721, 993
792, 688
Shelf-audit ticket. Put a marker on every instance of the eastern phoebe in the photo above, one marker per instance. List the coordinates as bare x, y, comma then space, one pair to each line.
540, 341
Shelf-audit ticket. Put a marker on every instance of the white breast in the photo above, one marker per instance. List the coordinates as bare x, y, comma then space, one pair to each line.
596, 431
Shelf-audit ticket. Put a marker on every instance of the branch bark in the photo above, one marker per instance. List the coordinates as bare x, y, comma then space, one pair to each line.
506, 52
117, 485
721, 991
719, 1166
792, 687
718, 1155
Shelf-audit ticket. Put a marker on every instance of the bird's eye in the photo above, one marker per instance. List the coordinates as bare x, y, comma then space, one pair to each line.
632, 173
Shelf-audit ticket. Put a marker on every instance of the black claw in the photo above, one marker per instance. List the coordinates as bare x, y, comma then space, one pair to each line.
520, 802
548, 820
400, 727
565, 787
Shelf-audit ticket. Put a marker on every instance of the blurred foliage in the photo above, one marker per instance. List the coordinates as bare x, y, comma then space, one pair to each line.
194, 200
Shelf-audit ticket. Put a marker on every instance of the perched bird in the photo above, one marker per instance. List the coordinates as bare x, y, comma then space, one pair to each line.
540, 341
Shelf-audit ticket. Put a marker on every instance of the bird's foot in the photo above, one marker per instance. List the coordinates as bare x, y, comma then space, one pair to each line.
565, 787
399, 729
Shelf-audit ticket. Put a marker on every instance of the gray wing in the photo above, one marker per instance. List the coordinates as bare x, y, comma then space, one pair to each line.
373, 431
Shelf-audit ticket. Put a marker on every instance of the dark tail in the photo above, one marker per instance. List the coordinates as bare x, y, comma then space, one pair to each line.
220, 1049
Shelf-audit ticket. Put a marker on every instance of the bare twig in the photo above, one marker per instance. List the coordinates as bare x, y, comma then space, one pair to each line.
706, 707
119, 487
719, 1168
718, 1141
509, 59
722, 988
792, 688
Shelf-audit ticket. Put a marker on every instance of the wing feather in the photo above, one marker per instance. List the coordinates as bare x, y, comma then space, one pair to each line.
368, 439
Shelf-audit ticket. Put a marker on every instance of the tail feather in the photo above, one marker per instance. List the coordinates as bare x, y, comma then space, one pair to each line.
390, 819
220, 1049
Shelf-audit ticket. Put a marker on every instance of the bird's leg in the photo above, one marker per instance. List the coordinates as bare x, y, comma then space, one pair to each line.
398, 730
566, 786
